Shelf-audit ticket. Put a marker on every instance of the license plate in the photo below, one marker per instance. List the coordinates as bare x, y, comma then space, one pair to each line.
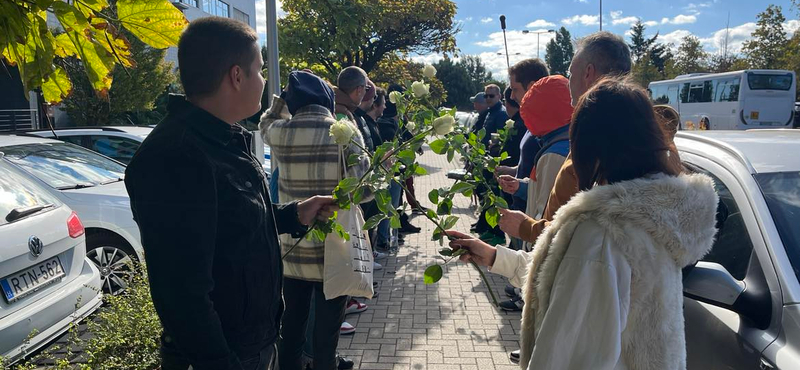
27, 281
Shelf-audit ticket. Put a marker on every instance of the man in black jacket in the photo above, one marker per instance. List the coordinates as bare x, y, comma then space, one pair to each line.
201, 202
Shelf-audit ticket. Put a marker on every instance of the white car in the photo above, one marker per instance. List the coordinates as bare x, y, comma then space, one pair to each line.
117, 142
47, 282
742, 300
93, 186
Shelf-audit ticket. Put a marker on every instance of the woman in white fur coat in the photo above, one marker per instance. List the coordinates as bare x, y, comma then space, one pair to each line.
604, 288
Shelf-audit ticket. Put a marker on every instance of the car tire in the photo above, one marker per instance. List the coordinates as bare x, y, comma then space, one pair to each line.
115, 259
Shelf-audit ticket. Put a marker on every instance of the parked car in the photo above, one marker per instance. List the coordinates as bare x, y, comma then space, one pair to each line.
117, 142
92, 185
742, 301
47, 282
466, 119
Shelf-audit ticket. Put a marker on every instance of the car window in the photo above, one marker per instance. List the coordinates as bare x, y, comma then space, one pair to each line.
782, 193
732, 248
119, 148
17, 191
63, 166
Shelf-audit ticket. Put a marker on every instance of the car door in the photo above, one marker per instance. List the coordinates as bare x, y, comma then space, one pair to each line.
733, 337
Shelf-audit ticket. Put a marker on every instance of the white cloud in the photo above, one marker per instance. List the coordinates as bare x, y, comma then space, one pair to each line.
486, 20
540, 23
628, 21
616, 14
650, 23
738, 35
585, 19
468, 19
583, 1
674, 37
428, 59
261, 15
518, 42
680, 19
698, 6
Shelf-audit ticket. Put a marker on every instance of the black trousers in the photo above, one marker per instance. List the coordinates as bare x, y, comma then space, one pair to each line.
329, 315
264, 360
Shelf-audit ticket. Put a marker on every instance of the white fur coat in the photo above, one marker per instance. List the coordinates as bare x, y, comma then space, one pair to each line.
657, 225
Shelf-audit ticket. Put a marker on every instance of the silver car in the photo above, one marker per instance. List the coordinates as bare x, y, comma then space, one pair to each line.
742, 301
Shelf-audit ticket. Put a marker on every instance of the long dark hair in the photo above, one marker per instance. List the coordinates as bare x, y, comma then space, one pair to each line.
615, 136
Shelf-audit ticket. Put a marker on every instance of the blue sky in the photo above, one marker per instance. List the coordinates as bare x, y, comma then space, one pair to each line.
481, 34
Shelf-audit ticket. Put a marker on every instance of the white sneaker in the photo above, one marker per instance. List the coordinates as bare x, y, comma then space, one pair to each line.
346, 329
376, 266
354, 306
379, 256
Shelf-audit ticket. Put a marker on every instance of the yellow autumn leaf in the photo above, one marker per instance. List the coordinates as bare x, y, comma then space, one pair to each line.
69, 17
97, 62
157, 23
113, 42
57, 86
64, 46
89, 7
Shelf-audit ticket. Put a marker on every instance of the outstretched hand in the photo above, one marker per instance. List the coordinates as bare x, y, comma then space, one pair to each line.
509, 184
479, 252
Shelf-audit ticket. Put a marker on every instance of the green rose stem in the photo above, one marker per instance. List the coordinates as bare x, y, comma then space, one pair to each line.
439, 227
313, 226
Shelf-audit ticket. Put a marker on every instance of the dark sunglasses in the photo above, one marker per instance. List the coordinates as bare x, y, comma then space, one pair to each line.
490, 96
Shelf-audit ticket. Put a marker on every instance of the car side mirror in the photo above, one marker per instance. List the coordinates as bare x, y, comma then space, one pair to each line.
711, 283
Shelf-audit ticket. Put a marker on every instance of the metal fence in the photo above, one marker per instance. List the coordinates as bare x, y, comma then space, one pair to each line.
12, 120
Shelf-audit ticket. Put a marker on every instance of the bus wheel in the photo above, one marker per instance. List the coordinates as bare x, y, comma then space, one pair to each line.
705, 124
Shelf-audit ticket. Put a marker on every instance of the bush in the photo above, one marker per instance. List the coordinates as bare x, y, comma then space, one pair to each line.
124, 334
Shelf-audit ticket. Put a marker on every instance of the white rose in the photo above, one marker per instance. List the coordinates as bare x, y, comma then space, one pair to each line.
342, 132
420, 89
509, 124
395, 96
429, 71
444, 125
411, 126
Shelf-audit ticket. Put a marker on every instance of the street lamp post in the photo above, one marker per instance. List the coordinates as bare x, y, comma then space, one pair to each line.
537, 37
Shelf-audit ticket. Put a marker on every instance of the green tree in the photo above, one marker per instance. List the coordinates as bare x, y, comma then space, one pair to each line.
640, 45
477, 71
91, 34
661, 58
399, 69
645, 72
767, 47
559, 52
456, 80
134, 90
691, 58
336, 33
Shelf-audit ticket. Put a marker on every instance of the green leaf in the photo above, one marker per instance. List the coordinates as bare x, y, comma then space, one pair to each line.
449, 222
467, 193
341, 232
358, 195
384, 200
157, 23
492, 216
459, 252
500, 202
461, 187
503, 156
57, 86
445, 207
407, 156
70, 17
394, 222
433, 274
439, 146
431, 214
420, 171
433, 196
374, 221
89, 7
447, 252
353, 159
451, 153
347, 185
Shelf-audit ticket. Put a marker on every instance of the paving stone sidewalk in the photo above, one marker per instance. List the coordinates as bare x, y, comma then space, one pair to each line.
448, 325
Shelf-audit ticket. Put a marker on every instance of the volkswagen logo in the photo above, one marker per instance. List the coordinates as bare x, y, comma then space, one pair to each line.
36, 246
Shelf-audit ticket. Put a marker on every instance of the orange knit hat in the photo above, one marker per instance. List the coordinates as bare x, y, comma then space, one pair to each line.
547, 105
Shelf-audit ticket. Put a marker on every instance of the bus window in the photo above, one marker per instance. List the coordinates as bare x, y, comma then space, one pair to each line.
659, 95
769, 81
696, 92
672, 94
685, 93
708, 92
727, 90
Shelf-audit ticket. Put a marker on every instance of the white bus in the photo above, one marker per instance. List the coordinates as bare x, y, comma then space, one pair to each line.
730, 101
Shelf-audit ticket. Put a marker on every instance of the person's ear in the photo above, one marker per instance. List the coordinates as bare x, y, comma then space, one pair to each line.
236, 76
590, 74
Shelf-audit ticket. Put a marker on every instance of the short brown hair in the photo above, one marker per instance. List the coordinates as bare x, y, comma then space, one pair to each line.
528, 71
380, 98
615, 135
608, 52
207, 50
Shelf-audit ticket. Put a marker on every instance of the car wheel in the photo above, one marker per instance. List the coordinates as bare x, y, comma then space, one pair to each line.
115, 260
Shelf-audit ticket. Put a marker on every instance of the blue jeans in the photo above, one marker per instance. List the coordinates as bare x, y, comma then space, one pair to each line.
383, 228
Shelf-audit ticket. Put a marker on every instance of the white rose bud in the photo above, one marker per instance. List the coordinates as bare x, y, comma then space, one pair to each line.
342, 132
509, 124
395, 96
444, 125
429, 71
411, 126
420, 89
